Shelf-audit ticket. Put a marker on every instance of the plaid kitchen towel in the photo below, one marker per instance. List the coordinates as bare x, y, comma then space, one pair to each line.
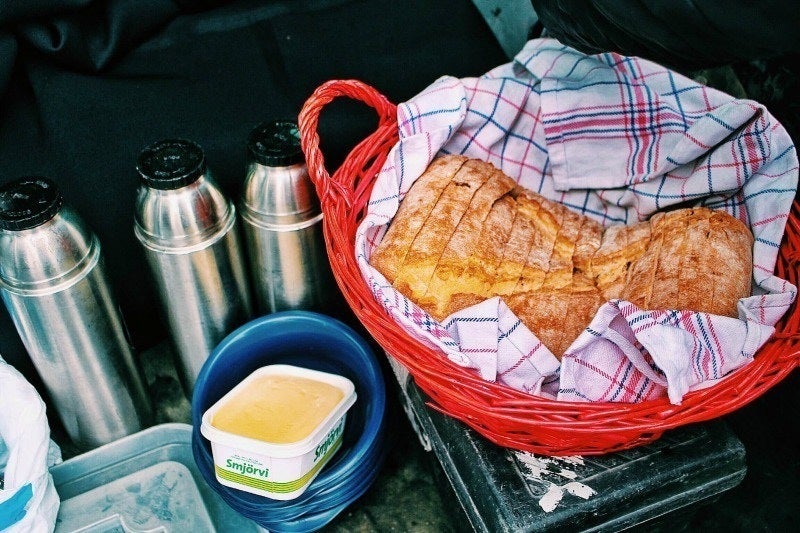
615, 138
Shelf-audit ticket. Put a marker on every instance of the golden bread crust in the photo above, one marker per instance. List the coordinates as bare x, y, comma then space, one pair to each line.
388, 256
466, 232
455, 257
420, 261
556, 317
699, 260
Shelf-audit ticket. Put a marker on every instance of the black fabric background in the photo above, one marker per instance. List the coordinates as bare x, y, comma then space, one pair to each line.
678, 33
86, 84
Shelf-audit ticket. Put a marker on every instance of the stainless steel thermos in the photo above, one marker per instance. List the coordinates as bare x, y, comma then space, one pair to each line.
60, 299
189, 232
282, 222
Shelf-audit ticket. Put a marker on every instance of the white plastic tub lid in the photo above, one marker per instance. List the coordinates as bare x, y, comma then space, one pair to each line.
281, 450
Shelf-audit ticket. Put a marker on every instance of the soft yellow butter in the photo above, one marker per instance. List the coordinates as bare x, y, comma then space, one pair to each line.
279, 409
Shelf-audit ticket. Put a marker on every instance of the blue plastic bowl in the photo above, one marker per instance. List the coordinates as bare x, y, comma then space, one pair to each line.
318, 342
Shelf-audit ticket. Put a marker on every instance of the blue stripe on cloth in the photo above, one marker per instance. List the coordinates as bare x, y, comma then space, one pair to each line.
744, 161
676, 93
583, 207
768, 191
575, 66
709, 346
696, 354
468, 320
414, 118
508, 333
384, 199
540, 147
620, 132
621, 382
551, 378
709, 181
789, 150
574, 88
653, 137
535, 55
670, 159
489, 118
402, 159
657, 195
768, 243
645, 384
574, 392
575, 115
715, 118
527, 84
670, 318
630, 107
760, 133
544, 174
594, 332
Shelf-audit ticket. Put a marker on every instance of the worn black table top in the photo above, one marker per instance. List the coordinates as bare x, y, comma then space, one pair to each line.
505, 490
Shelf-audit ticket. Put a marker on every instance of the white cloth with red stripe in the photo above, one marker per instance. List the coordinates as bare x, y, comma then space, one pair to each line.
615, 138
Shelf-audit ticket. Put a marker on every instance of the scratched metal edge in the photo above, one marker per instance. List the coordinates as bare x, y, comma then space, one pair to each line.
680, 502
469, 457
452, 467
712, 459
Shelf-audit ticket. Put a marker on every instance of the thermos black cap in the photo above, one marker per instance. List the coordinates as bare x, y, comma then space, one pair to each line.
276, 143
171, 164
28, 202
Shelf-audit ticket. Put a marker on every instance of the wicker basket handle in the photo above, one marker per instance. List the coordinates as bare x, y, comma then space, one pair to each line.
343, 185
788, 268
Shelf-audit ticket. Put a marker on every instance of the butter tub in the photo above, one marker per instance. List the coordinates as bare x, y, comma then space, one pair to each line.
274, 431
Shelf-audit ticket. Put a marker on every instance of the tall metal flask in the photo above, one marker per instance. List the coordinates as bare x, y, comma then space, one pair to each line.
283, 224
189, 233
60, 299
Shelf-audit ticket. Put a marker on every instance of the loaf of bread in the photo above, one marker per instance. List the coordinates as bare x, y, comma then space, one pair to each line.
466, 232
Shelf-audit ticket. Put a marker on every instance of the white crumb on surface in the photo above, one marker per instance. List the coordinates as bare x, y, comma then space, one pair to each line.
580, 490
550, 471
550, 501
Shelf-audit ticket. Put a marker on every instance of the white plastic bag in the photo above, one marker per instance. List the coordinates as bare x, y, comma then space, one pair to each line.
28, 498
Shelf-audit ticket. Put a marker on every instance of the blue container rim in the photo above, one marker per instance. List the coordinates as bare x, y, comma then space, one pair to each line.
346, 477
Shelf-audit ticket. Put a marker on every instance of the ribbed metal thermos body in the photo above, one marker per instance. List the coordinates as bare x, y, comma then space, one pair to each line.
283, 223
188, 230
59, 297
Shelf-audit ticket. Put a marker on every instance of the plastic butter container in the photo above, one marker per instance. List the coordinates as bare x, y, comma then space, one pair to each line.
273, 432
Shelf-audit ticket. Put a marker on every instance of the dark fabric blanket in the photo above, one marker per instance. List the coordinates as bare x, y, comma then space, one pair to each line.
85, 84
683, 34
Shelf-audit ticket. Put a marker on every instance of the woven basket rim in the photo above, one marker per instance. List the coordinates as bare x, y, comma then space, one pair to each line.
504, 415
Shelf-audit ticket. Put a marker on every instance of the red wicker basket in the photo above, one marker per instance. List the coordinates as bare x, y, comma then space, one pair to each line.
503, 415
